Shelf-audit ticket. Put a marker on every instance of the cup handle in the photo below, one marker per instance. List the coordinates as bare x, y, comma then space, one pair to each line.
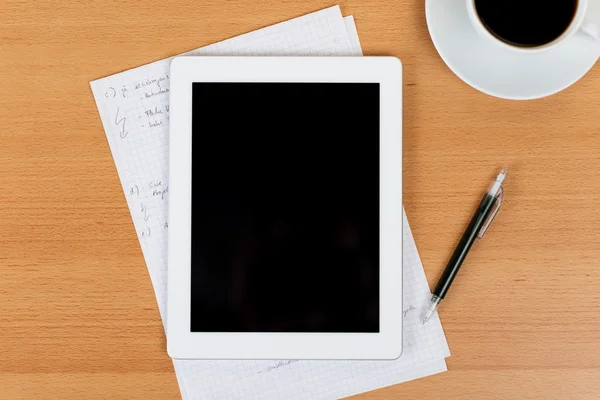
591, 29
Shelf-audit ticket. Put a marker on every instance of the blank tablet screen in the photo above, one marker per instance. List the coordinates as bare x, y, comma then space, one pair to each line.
285, 207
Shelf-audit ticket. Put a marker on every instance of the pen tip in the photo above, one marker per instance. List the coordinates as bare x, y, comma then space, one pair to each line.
501, 176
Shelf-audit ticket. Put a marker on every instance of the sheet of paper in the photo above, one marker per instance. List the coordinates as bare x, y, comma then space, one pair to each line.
134, 108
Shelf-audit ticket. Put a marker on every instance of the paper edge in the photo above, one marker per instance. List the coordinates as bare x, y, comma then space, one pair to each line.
353, 34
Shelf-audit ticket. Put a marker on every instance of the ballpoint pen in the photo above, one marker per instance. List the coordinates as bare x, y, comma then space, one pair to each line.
487, 210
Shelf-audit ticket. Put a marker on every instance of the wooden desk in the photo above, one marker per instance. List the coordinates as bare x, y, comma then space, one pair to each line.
78, 317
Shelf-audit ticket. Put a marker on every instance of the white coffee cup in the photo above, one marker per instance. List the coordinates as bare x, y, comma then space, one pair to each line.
579, 25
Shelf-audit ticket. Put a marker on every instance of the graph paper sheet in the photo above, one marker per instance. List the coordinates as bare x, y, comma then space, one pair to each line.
134, 109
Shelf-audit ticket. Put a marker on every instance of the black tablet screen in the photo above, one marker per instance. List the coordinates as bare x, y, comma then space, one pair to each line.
285, 207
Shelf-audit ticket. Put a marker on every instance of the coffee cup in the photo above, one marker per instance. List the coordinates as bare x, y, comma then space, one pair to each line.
530, 26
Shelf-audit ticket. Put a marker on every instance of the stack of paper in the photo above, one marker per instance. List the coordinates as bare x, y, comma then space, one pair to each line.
134, 108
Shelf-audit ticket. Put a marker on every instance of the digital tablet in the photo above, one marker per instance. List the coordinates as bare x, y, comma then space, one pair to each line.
285, 208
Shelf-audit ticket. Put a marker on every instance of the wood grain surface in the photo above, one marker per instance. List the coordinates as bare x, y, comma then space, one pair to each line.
78, 318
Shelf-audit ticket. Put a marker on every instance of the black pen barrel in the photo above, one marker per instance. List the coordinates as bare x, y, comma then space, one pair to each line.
467, 240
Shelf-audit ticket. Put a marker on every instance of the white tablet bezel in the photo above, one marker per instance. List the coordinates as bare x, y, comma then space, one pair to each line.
183, 344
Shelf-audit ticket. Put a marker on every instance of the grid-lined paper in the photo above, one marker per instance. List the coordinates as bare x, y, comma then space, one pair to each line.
134, 108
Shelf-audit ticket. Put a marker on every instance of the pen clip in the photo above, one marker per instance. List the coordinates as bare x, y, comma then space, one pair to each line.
492, 215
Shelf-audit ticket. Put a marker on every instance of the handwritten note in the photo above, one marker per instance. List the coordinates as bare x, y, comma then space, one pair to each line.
134, 109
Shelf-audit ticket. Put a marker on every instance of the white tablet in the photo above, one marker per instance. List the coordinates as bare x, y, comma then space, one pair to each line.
285, 208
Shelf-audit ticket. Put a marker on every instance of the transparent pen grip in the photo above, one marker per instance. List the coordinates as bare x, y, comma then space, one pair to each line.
490, 218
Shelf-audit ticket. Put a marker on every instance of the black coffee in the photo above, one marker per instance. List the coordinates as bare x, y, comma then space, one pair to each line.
526, 23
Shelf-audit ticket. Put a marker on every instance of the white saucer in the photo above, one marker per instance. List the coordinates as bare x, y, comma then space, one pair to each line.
497, 71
